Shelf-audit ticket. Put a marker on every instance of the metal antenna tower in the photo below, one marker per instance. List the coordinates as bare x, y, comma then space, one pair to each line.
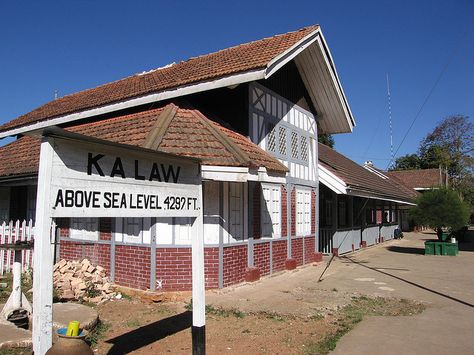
390, 122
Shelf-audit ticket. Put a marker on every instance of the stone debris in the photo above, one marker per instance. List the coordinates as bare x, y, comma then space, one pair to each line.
82, 281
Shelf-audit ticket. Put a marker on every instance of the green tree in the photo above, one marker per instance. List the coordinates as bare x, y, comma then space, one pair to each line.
326, 139
407, 162
440, 208
450, 145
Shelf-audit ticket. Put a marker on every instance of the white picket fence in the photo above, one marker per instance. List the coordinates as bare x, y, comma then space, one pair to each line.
10, 233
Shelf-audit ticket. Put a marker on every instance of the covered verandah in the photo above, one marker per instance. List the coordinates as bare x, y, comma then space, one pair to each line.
358, 206
348, 223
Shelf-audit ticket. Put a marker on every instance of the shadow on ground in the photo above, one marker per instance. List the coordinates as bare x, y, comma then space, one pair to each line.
442, 294
150, 333
406, 250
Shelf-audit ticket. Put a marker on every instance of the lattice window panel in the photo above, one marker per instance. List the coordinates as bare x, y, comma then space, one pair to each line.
282, 140
271, 138
304, 148
294, 145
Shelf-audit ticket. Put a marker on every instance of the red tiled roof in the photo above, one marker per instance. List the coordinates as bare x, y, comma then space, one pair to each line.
360, 179
20, 157
188, 133
419, 179
239, 59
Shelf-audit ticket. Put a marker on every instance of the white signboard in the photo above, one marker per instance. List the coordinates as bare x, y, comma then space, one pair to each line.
97, 180
83, 177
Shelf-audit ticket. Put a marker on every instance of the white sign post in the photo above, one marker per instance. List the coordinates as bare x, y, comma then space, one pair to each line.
81, 176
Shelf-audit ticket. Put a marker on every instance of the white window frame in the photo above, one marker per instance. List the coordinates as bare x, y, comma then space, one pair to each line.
303, 212
236, 224
84, 228
182, 230
271, 211
122, 227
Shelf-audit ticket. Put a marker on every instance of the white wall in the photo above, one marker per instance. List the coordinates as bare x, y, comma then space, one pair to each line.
274, 121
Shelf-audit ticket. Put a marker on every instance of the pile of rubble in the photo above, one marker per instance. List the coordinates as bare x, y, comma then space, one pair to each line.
82, 281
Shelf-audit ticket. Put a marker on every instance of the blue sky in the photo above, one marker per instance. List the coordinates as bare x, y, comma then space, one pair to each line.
48, 46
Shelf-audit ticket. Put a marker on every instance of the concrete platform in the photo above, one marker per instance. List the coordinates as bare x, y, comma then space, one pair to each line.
63, 313
13, 337
397, 268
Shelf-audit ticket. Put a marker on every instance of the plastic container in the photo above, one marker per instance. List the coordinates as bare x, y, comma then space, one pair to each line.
452, 249
429, 248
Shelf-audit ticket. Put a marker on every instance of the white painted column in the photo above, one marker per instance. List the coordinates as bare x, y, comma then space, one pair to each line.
43, 260
199, 302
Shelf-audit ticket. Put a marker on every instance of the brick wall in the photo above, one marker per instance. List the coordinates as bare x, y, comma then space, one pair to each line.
261, 257
174, 265
235, 263
174, 268
297, 250
309, 255
284, 212
132, 266
279, 254
98, 254
211, 267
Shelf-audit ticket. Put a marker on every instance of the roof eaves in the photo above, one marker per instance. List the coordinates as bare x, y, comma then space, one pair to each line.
228, 80
356, 191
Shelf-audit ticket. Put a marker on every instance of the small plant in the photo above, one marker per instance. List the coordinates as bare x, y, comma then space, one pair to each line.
97, 333
317, 316
91, 291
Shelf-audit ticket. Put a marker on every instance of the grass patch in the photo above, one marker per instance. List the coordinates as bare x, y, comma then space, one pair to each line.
316, 317
353, 313
133, 323
273, 316
217, 311
221, 312
26, 285
126, 297
97, 333
5, 292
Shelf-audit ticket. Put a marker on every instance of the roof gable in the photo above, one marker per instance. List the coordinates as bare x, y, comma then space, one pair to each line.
243, 63
419, 179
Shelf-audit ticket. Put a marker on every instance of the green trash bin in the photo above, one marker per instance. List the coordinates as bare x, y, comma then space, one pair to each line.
429, 248
452, 249
439, 248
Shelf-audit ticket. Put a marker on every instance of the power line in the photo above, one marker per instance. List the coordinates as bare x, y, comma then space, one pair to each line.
433, 87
